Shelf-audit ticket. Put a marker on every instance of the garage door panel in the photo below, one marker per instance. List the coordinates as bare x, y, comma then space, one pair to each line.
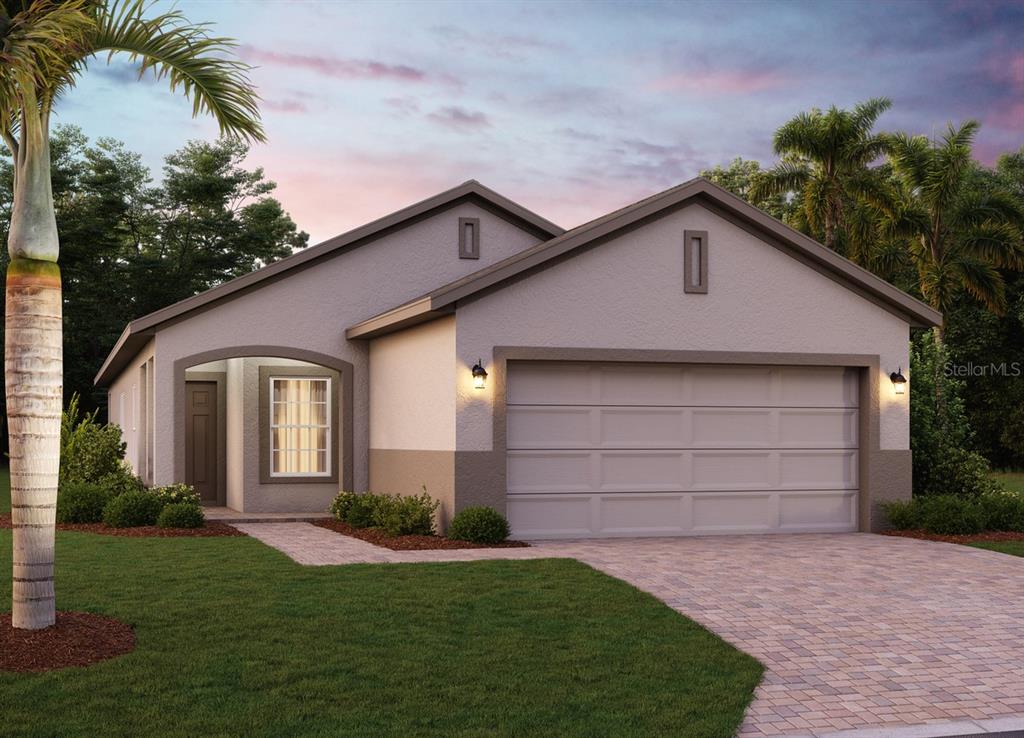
644, 515
731, 386
817, 510
818, 387
561, 516
641, 471
643, 427
551, 471
734, 512
550, 427
639, 385
818, 469
547, 384
818, 428
732, 428
733, 470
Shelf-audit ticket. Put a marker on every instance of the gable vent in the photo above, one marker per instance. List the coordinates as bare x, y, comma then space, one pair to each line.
469, 238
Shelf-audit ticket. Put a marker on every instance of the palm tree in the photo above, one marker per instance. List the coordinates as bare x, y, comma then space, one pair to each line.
958, 233
825, 158
44, 46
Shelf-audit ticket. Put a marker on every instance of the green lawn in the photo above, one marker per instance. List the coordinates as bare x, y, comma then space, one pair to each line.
233, 638
1011, 480
1014, 548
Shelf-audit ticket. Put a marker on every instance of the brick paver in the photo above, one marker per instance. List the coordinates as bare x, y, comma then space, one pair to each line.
854, 630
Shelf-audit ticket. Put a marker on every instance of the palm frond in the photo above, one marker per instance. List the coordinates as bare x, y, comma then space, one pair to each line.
866, 114
999, 244
783, 178
982, 281
190, 58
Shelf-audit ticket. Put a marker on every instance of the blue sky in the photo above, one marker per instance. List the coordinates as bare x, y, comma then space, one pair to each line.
570, 108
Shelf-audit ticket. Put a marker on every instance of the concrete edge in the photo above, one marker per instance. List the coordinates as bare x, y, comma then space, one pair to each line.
1004, 727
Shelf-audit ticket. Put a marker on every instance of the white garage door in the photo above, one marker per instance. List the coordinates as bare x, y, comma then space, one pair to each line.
665, 449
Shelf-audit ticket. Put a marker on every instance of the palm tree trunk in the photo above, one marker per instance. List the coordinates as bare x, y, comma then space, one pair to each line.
33, 369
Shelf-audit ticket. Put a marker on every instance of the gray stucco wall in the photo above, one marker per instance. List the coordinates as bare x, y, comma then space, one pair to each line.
310, 308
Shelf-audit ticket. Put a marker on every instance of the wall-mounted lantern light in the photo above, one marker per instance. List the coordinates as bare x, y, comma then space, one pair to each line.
480, 375
899, 382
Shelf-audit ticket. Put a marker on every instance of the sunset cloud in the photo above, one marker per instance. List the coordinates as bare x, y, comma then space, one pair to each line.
458, 118
334, 66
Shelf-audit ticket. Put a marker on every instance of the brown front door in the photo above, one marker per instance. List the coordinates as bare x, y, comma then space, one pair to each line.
201, 439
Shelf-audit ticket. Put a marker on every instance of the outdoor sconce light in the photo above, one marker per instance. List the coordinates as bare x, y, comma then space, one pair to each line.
480, 375
899, 382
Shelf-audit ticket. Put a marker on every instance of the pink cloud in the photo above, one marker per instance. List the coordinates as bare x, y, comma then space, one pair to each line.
718, 81
337, 67
460, 118
284, 106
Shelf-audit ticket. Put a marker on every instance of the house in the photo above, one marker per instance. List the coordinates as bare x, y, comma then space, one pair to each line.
684, 365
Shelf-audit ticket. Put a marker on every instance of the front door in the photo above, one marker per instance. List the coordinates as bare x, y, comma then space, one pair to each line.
201, 450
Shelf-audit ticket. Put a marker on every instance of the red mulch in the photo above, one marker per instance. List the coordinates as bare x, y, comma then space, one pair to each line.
974, 538
77, 639
211, 529
407, 543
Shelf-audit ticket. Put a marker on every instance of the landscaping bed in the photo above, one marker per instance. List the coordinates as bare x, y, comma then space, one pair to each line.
144, 531
77, 639
407, 542
997, 536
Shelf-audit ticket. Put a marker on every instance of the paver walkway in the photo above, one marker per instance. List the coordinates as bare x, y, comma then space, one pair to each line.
855, 630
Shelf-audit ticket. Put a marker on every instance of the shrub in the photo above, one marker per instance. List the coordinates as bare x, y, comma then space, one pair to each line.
903, 514
81, 502
174, 494
361, 510
89, 451
181, 515
479, 525
341, 504
121, 481
133, 509
400, 515
951, 515
1003, 511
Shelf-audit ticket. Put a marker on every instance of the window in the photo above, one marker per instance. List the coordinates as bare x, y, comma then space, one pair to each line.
695, 262
469, 238
300, 426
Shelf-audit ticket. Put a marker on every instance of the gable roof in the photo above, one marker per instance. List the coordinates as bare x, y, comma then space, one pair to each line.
139, 331
717, 199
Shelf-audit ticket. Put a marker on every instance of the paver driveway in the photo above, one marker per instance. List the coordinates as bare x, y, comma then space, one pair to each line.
855, 630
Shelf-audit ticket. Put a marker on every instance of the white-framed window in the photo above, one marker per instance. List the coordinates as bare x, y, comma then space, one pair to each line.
300, 426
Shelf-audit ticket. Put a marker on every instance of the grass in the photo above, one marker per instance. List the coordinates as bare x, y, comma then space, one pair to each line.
1013, 481
233, 638
1014, 548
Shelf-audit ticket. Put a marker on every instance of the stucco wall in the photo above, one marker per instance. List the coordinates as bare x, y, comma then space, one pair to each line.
310, 309
628, 293
128, 385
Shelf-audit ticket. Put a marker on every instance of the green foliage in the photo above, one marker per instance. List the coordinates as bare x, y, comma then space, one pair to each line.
121, 481
176, 494
940, 436
358, 510
479, 525
89, 451
399, 515
133, 509
181, 515
743, 178
81, 502
958, 515
341, 504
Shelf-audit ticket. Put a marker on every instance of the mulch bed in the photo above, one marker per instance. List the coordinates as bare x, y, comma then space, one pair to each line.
77, 639
211, 529
407, 543
973, 538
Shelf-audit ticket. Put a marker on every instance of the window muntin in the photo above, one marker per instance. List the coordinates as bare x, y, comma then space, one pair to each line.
300, 427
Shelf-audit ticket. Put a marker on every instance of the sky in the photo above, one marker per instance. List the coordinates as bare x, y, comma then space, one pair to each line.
571, 109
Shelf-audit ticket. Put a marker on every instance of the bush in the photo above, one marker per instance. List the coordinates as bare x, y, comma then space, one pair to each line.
950, 515
479, 525
133, 509
1003, 511
121, 481
174, 494
88, 451
361, 510
903, 514
341, 504
399, 515
181, 515
81, 502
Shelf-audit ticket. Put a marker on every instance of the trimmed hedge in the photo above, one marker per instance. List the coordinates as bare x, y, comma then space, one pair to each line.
133, 509
479, 525
82, 502
396, 515
181, 515
956, 515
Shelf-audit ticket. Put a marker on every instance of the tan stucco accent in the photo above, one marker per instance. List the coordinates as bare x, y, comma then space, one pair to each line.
408, 471
481, 477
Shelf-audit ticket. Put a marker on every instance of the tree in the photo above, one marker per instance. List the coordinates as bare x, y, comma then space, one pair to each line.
825, 163
961, 227
741, 178
44, 46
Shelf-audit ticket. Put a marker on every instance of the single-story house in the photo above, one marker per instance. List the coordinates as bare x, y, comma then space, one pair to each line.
684, 365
